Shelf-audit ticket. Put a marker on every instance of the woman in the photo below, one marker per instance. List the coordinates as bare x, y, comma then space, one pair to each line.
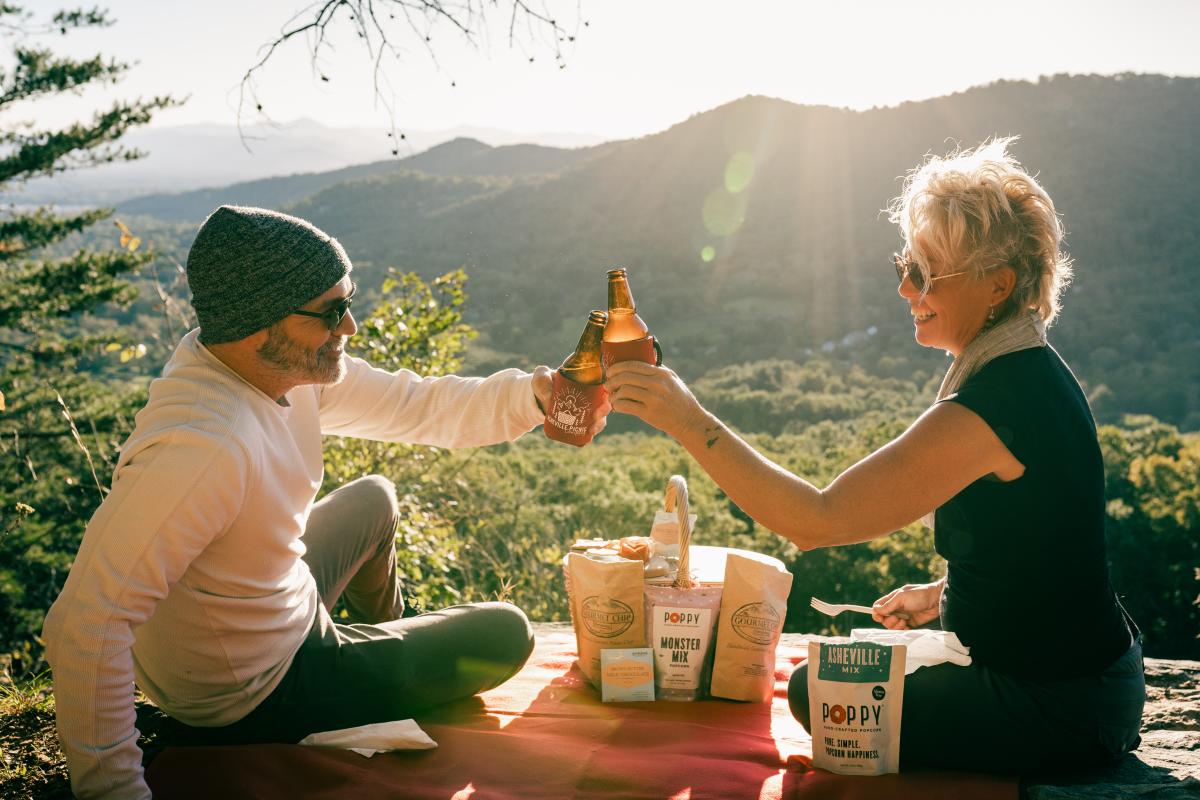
1008, 463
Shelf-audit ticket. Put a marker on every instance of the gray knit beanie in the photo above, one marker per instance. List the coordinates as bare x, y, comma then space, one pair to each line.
249, 268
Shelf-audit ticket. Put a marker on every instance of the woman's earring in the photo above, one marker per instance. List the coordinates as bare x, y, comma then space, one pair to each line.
991, 317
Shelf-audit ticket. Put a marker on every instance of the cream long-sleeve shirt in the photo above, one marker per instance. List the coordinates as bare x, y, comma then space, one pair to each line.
189, 579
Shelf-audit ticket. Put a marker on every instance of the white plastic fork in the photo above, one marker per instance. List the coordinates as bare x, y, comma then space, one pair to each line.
833, 609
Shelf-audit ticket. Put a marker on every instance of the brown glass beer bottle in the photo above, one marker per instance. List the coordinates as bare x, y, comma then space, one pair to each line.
578, 388
626, 336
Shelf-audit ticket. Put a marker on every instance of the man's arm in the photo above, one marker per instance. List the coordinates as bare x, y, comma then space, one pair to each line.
169, 501
448, 411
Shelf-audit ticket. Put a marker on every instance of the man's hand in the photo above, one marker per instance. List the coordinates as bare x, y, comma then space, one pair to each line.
910, 606
543, 386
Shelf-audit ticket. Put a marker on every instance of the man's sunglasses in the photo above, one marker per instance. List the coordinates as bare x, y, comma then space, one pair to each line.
332, 316
907, 268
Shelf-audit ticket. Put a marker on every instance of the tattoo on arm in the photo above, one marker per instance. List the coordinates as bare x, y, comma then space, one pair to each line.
712, 435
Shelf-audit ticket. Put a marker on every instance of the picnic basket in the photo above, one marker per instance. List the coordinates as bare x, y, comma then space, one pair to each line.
684, 587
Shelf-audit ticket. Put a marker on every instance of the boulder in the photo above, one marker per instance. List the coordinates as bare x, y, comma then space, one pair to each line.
1167, 764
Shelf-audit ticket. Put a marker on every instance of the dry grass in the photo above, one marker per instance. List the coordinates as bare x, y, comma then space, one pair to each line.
31, 763
32, 766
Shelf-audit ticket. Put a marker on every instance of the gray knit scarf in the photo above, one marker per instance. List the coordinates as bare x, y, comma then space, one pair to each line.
1019, 332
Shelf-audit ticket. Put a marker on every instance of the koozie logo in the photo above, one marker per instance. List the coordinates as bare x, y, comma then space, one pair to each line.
756, 622
571, 408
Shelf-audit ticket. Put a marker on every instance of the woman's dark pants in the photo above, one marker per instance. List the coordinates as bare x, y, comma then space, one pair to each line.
975, 718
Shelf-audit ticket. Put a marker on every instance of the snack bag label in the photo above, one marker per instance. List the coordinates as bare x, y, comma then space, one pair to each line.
860, 662
680, 639
756, 623
606, 617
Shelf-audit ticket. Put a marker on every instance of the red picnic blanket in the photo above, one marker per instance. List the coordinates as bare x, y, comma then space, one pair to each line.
546, 735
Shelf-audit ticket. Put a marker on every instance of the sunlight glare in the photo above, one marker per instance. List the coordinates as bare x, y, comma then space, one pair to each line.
723, 213
739, 172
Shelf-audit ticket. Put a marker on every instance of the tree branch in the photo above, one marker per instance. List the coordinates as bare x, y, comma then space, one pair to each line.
45, 290
79, 146
22, 233
39, 72
61, 22
467, 18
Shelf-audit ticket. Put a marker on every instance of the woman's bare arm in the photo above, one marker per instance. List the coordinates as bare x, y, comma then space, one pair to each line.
944, 451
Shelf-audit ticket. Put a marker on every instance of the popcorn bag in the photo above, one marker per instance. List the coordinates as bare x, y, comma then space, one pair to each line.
681, 618
855, 701
606, 608
753, 609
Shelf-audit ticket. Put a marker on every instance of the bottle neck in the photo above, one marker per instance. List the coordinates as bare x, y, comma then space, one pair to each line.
620, 299
589, 342
584, 365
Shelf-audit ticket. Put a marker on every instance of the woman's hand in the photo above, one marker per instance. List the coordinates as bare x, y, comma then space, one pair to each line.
655, 395
601, 416
910, 606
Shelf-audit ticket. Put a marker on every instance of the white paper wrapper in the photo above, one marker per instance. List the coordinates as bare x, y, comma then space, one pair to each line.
379, 737
926, 648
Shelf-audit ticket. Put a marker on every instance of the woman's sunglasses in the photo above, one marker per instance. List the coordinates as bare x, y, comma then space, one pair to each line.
332, 316
907, 268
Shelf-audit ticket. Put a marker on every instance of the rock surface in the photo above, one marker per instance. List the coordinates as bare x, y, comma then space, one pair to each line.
1167, 765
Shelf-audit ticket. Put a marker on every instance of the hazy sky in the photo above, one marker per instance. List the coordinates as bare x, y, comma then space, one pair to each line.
639, 66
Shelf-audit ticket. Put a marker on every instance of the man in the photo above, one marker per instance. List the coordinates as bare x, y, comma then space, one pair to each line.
208, 573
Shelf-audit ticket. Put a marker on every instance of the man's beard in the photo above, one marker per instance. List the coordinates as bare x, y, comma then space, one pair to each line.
323, 365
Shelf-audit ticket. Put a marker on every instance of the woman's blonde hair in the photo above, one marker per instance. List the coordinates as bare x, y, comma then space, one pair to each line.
979, 209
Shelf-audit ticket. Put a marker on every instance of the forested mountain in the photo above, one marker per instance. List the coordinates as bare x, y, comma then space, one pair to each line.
460, 157
754, 230
181, 158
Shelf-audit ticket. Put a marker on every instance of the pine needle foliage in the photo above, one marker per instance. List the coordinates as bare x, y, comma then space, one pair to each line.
62, 407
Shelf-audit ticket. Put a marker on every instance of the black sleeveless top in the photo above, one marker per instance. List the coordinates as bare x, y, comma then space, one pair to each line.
1027, 584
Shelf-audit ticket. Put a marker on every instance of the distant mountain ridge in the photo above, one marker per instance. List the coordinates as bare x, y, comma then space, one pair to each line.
754, 230
461, 156
185, 157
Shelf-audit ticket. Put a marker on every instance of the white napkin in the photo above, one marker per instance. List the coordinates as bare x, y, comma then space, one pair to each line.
925, 647
380, 737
